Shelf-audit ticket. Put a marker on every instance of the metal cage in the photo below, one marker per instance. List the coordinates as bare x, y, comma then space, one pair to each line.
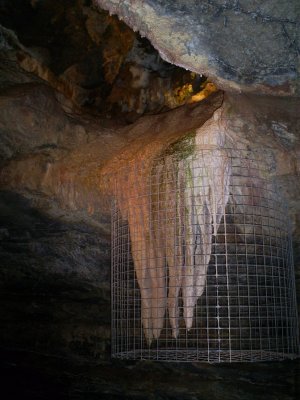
202, 266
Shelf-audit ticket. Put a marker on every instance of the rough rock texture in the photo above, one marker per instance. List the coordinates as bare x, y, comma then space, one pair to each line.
62, 155
96, 61
55, 261
240, 44
56, 153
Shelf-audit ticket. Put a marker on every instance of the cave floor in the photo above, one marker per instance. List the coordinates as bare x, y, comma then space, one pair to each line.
40, 376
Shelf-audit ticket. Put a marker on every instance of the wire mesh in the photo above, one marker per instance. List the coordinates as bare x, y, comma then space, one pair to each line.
202, 266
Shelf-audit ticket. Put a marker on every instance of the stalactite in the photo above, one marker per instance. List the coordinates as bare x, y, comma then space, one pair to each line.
172, 217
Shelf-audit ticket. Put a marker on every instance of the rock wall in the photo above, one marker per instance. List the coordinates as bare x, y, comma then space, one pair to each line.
242, 45
56, 152
96, 61
55, 280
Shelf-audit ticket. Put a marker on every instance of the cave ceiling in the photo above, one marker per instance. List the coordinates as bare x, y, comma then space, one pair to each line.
86, 88
83, 87
73, 81
249, 46
93, 59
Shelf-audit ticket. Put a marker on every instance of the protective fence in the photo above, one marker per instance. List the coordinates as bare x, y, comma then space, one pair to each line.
202, 266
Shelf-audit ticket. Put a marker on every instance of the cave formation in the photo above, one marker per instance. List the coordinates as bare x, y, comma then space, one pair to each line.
83, 94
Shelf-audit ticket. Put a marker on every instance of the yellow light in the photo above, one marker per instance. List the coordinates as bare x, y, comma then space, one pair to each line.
208, 89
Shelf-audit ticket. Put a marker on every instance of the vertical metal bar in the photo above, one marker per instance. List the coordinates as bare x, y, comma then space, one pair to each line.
258, 289
112, 300
227, 283
256, 267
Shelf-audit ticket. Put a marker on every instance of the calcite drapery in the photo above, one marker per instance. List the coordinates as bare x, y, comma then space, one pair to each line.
172, 216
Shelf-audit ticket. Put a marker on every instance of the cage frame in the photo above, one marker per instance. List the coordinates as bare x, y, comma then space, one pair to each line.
149, 352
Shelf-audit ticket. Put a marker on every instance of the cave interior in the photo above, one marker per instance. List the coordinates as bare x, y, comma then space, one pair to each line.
88, 88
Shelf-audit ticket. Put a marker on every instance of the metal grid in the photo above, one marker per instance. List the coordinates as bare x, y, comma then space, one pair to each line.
202, 266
